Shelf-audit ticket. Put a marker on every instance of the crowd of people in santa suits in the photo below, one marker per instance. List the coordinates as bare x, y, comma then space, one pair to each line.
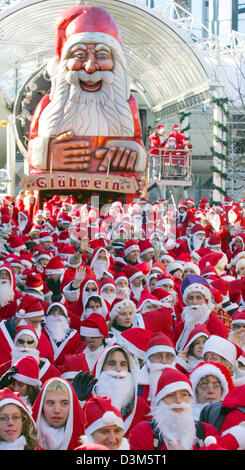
119, 325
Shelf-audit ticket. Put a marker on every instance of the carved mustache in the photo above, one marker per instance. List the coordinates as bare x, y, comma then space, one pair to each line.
73, 77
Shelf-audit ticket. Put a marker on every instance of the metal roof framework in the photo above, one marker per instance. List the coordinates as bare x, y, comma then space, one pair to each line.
166, 66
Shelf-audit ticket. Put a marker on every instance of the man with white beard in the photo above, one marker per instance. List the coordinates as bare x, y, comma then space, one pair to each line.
195, 240
89, 98
172, 426
64, 340
100, 263
8, 292
29, 311
198, 305
108, 289
159, 355
116, 372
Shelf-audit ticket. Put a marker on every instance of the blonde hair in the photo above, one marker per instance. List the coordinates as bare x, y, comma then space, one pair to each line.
57, 386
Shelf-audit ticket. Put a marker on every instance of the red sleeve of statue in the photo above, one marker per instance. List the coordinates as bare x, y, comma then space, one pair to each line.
35, 118
134, 109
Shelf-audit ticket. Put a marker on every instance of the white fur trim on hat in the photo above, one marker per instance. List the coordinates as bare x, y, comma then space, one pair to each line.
221, 346
173, 387
27, 380
157, 349
119, 305
131, 248
57, 304
135, 275
209, 369
193, 266
23, 314
108, 419
91, 332
26, 332
240, 264
197, 287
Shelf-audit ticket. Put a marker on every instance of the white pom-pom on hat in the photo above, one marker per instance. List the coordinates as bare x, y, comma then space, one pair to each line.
209, 440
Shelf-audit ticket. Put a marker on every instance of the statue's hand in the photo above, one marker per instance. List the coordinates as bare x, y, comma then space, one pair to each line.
66, 153
119, 158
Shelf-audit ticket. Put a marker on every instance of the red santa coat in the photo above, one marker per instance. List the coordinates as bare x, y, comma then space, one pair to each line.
74, 428
71, 345
141, 437
7, 344
11, 308
214, 325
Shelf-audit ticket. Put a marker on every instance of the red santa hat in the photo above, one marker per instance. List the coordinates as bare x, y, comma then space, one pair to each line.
145, 246
29, 307
130, 246
196, 332
45, 237
75, 421
196, 229
94, 326
222, 346
65, 250
27, 371
159, 343
119, 276
99, 412
155, 320
54, 266
150, 298
42, 254
132, 272
96, 254
60, 305
165, 279
26, 330
172, 267
212, 368
162, 295
73, 364
7, 397
118, 304
64, 236
135, 340
239, 264
26, 259
5, 266
34, 280
182, 204
87, 23
167, 257
238, 318
105, 282
51, 224
214, 241
16, 242
172, 380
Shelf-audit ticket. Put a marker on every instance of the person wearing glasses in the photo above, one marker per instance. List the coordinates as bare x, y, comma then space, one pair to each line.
17, 427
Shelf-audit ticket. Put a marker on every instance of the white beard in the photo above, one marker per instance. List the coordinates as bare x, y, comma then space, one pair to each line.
57, 327
50, 438
197, 243
123, 292
6, 292
92, 356
109, 297
105, 112
99, 268
88, 312
194, 314
176, 426
155, 371
117, 385
136, 291
18, 353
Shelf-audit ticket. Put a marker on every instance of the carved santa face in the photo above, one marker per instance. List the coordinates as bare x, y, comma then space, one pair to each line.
90, 57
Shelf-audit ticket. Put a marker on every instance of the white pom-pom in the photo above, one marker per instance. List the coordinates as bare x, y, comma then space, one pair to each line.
109, 418
210, 440
1, 263
22, 312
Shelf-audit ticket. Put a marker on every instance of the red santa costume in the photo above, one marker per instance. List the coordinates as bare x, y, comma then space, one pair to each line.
99, 413
123, 392
172, 426
195, 314
63, 339
8, 293
186, 366
68, 436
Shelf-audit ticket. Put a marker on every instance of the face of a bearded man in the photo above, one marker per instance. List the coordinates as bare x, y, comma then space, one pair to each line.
89, 95
6, 289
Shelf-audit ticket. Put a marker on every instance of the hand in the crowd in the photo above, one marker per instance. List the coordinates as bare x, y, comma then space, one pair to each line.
83, 384
55, 287
175, 445
183, 355
7, 378
84, 246
79, 277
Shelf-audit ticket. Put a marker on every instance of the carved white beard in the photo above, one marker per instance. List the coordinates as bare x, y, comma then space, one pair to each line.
6, 292
176, 426
105, 112
20, 352
117, 385
57, 326
194, 314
